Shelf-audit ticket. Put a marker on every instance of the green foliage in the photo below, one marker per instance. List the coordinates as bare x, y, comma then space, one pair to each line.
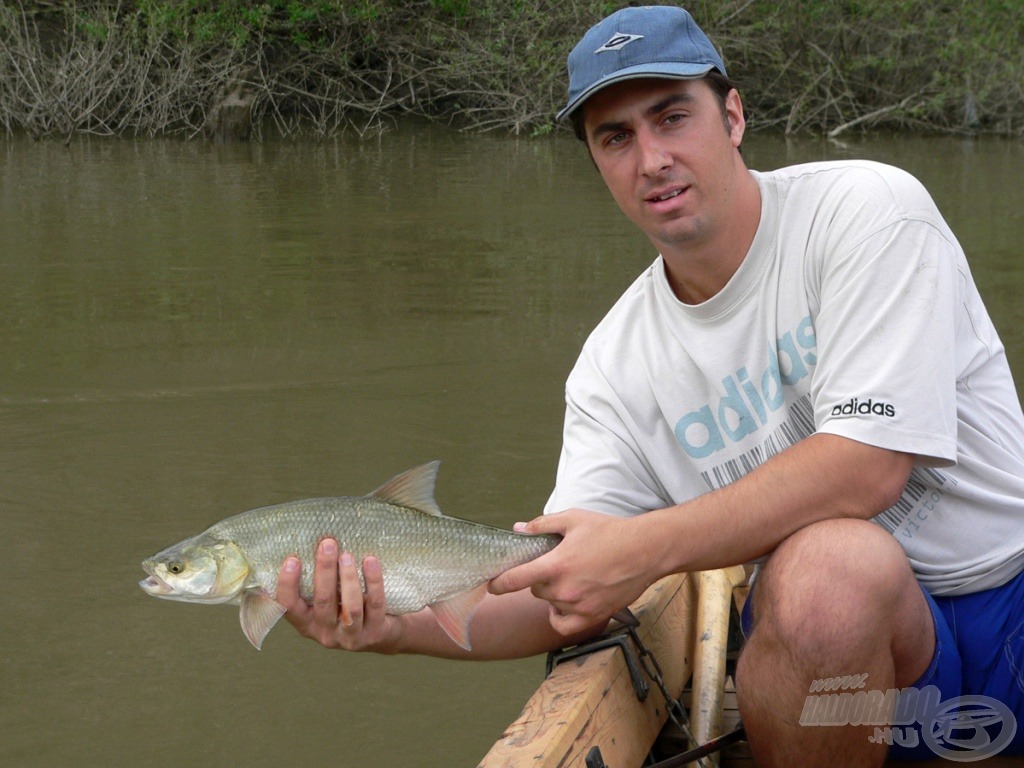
829, 65
803, 65
459, 9
237, 23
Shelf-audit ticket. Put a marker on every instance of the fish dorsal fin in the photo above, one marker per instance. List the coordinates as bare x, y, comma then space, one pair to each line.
258, 614
413, 489
455, 613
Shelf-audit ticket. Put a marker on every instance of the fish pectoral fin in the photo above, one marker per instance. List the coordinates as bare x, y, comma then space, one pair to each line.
258, 614
455, 613
413, 489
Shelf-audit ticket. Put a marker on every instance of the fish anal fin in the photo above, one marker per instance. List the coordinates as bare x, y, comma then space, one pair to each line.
413, 489
258, 614
455, 613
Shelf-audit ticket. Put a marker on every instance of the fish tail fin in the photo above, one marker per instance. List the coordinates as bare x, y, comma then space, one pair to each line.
455, 613
258, 614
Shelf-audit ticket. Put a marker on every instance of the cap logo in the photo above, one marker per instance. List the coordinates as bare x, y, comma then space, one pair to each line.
618, 41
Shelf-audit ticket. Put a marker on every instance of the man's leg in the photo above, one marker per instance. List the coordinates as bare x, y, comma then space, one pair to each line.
837, 598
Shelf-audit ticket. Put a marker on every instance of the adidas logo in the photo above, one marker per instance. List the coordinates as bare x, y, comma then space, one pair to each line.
869, 407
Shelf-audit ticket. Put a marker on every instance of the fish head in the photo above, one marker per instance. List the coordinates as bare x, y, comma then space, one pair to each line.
199, 570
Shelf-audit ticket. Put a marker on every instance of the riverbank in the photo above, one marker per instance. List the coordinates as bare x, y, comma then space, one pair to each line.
235, 69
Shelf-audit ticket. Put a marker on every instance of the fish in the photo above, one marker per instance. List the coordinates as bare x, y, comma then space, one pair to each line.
428, 559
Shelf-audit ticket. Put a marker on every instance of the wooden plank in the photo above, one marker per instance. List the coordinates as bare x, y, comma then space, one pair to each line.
590, 700
714, 606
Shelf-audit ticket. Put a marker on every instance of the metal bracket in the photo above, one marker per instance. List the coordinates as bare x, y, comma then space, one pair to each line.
639, 660
619, 637
594, 759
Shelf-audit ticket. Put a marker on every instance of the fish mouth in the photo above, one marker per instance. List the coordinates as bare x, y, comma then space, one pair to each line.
154, 585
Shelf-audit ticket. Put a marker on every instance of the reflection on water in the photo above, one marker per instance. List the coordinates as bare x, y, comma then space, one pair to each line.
189, 331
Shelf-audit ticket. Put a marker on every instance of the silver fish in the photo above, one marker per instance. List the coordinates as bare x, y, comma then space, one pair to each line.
427, 558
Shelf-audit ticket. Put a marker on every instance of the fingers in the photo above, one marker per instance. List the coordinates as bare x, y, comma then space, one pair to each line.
520, 577
333, 579
535, 571
341, 614
288, 589
325, 585
373, 602
579, 577
565, 623
351, 613
554, 523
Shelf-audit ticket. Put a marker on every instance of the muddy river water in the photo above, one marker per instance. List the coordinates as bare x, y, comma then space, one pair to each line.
188, 331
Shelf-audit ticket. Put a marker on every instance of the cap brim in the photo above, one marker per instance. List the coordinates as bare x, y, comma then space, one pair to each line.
666, 71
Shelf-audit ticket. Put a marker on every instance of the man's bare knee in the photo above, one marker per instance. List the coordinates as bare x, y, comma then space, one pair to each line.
832, 585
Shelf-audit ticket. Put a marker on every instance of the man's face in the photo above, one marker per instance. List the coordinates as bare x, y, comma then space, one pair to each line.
669, 156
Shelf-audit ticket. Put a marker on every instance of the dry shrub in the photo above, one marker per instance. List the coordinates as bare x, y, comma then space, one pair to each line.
305, 67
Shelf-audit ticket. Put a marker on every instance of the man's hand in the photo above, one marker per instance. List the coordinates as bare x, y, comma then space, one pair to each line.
596, 570
341, 616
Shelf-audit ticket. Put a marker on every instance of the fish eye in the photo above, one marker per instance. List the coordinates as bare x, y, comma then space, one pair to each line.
175, 567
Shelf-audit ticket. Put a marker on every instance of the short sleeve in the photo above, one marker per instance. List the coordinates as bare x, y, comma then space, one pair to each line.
886, 331
601, 467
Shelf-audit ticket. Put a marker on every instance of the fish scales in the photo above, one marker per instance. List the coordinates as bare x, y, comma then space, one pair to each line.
424, 558
427, 559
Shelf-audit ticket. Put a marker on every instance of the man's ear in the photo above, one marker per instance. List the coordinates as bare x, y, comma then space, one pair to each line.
734, 117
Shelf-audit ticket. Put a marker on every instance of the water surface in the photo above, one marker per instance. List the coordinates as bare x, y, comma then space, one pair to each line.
188, 331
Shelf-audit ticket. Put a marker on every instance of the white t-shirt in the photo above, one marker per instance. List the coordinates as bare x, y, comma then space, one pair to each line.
854, 313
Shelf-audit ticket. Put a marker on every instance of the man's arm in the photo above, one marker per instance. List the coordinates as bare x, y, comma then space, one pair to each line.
605, 562
513, 625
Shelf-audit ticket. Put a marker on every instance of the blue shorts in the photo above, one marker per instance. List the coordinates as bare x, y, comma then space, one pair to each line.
971, 697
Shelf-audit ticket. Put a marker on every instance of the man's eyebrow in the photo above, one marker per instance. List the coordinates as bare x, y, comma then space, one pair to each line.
660, 106
669, 101
608, 127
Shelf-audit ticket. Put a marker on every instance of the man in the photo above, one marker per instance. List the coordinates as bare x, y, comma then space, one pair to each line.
805, 374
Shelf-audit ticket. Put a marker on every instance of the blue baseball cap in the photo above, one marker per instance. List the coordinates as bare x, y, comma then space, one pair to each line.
652, 41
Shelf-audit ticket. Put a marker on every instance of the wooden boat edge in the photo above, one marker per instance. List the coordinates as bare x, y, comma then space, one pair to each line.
591, 700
